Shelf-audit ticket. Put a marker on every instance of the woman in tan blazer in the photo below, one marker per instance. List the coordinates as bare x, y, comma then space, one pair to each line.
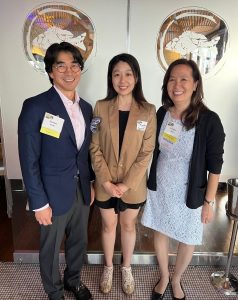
124, 129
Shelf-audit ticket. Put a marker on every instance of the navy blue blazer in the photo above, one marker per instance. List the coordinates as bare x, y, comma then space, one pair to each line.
50, 165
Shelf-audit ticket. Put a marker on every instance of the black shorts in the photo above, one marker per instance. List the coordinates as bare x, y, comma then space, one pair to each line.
117, 204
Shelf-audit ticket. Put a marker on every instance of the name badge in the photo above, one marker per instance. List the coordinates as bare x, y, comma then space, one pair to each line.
52, 125
171, 134
172, 131
141, 125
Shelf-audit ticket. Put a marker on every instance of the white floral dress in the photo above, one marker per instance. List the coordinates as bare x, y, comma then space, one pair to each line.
165, 210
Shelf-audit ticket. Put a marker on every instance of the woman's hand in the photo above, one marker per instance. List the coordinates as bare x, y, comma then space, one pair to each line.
123, 188
112, 189
92, 193
207, 213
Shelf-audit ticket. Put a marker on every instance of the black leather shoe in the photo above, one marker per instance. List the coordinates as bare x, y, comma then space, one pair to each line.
175, 298
80, 291
158, 296
61, 298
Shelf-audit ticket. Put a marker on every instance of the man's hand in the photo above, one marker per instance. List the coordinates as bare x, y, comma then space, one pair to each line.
43, 217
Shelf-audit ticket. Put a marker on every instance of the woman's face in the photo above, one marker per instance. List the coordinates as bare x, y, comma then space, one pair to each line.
123, 79
181, 85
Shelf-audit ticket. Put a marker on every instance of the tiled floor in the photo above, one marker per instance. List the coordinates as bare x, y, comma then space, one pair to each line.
22, 282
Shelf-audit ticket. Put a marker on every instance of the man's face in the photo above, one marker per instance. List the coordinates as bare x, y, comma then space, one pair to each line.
66, 74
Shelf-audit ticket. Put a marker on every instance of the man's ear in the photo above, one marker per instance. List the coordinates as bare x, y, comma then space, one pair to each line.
51, 75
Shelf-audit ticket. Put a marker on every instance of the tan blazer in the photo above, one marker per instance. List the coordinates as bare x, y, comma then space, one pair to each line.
137, 148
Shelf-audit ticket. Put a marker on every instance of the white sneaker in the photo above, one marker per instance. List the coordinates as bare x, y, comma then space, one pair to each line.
128, 283
106, 280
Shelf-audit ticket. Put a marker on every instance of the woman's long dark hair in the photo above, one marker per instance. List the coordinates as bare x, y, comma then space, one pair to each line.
190, 115
133, 63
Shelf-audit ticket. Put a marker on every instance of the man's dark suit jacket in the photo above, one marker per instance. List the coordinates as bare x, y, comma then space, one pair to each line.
50, 165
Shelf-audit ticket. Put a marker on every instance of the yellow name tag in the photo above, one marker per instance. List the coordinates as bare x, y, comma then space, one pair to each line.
171, 134
50, 132
169, 137
52, 125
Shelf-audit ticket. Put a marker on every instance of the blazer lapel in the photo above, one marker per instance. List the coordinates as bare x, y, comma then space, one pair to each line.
58, 108
114, 126
86, 116
134, 116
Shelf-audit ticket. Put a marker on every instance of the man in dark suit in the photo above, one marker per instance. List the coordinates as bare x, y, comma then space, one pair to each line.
53, 138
